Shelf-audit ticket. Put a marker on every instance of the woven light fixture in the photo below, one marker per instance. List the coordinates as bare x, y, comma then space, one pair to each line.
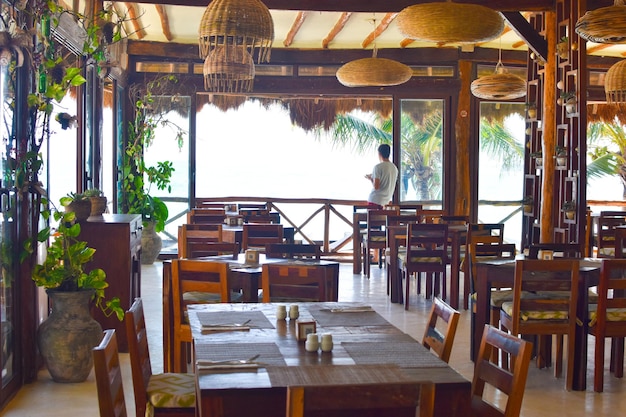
615, 83
373, 72
604, 25
448, 22
246, 23
229, 69
499, 86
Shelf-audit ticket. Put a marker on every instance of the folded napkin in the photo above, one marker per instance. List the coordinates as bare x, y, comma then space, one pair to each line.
356, 309
224, 328
217, 365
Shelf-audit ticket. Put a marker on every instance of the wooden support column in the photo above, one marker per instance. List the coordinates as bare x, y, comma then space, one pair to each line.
549, 133
462, 135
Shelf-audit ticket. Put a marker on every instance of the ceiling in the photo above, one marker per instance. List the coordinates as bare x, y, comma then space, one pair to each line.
309, 29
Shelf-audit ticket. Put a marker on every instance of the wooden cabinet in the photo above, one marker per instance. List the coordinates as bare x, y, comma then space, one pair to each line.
117, 241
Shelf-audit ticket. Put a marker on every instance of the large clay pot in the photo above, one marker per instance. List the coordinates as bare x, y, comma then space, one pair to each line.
151, 244
68, 335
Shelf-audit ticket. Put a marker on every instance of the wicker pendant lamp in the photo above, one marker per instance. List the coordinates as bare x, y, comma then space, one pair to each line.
447, 22
246, 23
373, 72
615, 83
229, 69
604, 25
499, 86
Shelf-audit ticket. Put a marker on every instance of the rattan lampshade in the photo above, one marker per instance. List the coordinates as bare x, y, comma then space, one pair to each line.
373, 72
450, 22
499, 86
615, 83
229, 69
245, 23
604, 25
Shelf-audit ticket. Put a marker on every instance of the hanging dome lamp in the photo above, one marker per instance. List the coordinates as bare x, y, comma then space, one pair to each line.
373, 72
604, 25
447, 22
499, 86
615, 83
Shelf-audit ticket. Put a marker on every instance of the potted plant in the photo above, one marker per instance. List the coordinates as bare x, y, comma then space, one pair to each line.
527, 204
569, 208
561, 155
138, 177
562, 48
531, 109
98, 201
67, 336
79, 204
538, 158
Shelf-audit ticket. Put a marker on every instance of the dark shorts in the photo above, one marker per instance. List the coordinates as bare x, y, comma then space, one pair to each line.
374, 206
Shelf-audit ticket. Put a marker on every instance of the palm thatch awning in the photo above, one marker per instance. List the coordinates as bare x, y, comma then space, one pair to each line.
607, 113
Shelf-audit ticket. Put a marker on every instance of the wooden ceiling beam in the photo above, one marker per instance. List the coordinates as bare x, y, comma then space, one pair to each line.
135, 19
341, 23
378, 30
381, 6
165, 24
524, 30
295, 27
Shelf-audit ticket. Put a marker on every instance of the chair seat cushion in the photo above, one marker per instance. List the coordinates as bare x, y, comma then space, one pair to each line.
171, 390
507, 307
610, 252
378, 239
612, 314
591, 295
199, 297
498, 297
402, 259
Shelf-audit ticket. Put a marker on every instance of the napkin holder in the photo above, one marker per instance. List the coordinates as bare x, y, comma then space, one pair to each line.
252, 257
233, 220
304, 328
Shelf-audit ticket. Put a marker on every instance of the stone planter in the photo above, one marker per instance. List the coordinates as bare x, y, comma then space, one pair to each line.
561, 160
68, 335
81, 208
98, 206
570, 214
151, 244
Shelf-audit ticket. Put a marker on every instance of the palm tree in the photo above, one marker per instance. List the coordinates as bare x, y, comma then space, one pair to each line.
605, 161
421, 143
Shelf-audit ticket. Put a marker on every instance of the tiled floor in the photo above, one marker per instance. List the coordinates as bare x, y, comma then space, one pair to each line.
544, 396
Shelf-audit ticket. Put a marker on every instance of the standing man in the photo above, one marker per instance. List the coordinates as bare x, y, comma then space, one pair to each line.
383, 179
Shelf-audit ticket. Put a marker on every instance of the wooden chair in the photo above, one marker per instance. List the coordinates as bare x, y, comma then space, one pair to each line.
108, 374
426, 252
293, 283
561, 250
256, 236
620, 242
167, 394
202, 249
478, 233
375, 237
607, 222
194, 282
396, 239
206, 216
510, 382
190, 234
401, 399
292, 251
545, 315
430, 216
441, 342
609, 319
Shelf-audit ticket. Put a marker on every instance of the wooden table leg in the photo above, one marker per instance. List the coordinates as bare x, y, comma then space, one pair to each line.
483, 301
168, 337
454, 271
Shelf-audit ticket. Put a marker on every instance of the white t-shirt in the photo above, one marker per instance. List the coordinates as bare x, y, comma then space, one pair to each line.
387, 173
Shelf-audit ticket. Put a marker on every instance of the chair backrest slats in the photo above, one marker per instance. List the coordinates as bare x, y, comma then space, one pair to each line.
297, 282
109, 377
139, 353
441, 341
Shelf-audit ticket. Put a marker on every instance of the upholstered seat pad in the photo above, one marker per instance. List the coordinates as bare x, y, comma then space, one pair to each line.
612, 314
171, 390
591, 295
199, 297
507, 307
377, 238
610, 252
402, 258
498, 297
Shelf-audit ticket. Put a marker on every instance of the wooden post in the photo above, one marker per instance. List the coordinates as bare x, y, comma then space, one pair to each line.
549, 133
462, 135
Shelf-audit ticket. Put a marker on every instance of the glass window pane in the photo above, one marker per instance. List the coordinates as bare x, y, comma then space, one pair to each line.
421, 166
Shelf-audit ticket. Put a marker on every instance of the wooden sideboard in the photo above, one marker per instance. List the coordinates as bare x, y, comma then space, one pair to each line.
117, 241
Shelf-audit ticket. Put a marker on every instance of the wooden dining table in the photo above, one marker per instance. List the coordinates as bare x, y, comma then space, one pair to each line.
501, 274
241, 277
367, 348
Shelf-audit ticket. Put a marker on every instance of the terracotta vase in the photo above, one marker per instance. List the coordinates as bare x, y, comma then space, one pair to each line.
82, 209
98, 206
68, 335
151, 244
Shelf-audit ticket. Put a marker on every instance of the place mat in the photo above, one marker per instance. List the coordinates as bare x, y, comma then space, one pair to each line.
257, 318
284, 376
404, 354
326, 318
269, 354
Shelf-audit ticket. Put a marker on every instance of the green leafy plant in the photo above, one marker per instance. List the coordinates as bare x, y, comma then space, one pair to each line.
528, 200
93, 192
537, 154
139, 178
560, 150
63, 269
568, 206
